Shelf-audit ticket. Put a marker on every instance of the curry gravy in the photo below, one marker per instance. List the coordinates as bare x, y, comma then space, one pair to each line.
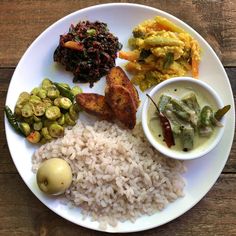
178, 92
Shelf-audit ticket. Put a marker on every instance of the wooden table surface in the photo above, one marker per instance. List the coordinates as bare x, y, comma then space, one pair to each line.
21, 21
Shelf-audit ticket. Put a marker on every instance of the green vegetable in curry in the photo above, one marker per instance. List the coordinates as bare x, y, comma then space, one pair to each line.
188, 119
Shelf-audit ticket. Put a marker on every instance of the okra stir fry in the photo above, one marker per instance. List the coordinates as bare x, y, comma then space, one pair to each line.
42, 114
188, 120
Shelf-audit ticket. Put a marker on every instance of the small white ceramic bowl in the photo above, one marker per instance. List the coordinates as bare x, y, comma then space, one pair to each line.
206, 95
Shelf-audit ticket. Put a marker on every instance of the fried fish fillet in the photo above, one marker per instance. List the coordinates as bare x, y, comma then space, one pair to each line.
122, 104
95, 104
117, 76
121, 99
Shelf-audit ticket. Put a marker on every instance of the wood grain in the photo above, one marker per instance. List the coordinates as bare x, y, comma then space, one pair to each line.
26, 215
21, 213
22, 21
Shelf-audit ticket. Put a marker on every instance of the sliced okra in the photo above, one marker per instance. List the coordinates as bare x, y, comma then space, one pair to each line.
35, 91
53, 92
22, 99
76, 90
190, 100
53, 112
36, 118
38, 125
47, 102
42, 93
65, 103
61, 120
27, 110
25, 128
187, 137
163, 101
69, 120
29, 120
56, 101
39, 109
73, 112
34, 137
47, 122
34, 99
43, 140
56, 130
76, 107
45, 133
46, 83
206, 116
174, 121
17, 112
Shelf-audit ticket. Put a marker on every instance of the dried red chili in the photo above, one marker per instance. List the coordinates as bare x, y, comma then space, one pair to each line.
165, 125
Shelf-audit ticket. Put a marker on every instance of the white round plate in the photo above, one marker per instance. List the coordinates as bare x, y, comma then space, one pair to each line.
37, 63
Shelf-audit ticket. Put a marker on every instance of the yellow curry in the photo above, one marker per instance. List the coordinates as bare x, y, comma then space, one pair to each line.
160, 50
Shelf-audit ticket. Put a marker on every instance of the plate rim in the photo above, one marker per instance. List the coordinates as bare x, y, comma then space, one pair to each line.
120, 5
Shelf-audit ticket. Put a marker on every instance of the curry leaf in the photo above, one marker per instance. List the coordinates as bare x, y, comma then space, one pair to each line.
168, 60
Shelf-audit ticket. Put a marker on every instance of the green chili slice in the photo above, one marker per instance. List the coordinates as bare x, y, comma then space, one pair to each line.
12, 120
221, 112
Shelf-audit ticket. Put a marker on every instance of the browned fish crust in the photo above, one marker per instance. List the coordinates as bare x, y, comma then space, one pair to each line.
117, 76
95, 104
122, 104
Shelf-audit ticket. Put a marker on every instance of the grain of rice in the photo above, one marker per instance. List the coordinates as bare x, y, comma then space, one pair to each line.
117, 175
